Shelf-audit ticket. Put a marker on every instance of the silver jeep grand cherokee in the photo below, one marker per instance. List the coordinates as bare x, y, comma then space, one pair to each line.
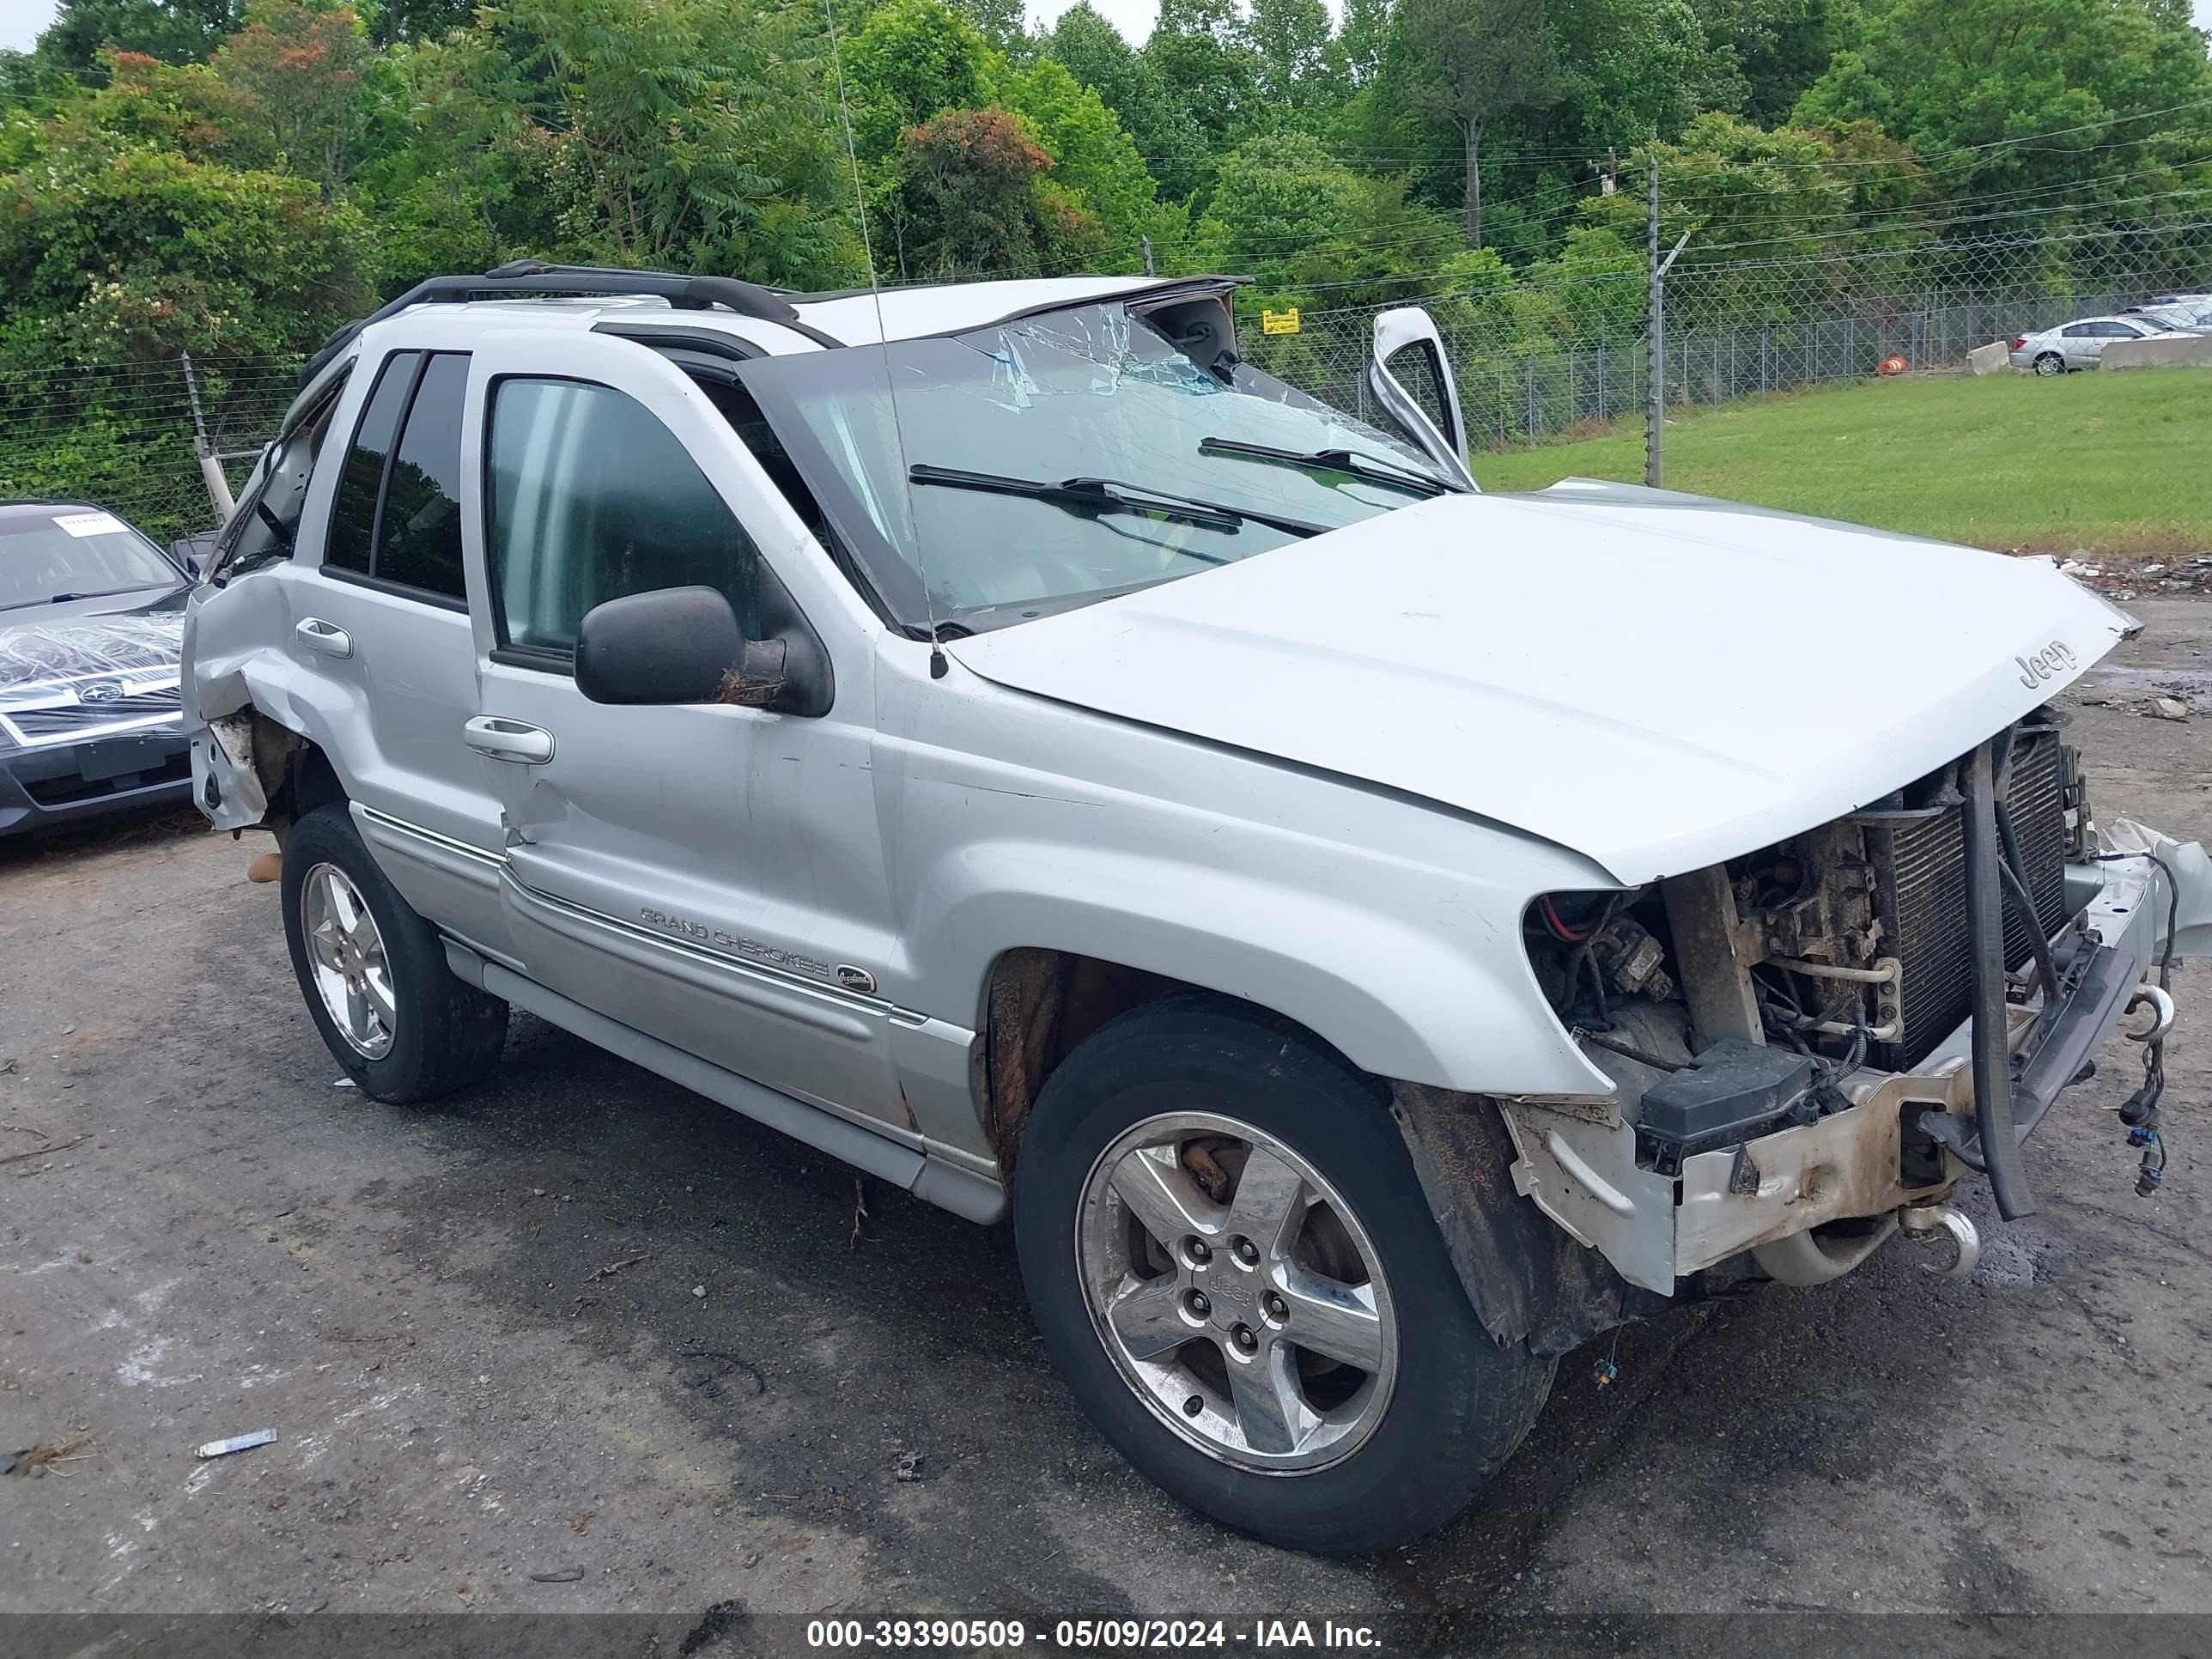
1371, 935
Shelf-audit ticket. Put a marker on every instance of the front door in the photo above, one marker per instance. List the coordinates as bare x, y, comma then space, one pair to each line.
709, 874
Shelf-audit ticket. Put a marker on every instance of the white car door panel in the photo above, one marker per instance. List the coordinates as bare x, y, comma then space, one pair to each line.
709, 874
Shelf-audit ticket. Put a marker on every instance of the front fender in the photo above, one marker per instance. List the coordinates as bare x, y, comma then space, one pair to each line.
1389, 929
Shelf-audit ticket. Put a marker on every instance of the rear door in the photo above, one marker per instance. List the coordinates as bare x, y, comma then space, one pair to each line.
383, 622
709, 874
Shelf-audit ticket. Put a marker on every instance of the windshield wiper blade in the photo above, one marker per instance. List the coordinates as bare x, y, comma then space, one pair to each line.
1368, 468
1094, 496
98, 593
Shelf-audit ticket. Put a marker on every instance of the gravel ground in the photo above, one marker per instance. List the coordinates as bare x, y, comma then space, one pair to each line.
581, 1341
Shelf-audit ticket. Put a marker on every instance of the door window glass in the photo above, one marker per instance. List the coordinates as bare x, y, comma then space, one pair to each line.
353, 518
593, 498
419, 533
263, 529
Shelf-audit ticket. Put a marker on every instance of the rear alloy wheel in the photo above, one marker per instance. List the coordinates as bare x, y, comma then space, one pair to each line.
1232, 1265
374, 971
2050, 363
348, 963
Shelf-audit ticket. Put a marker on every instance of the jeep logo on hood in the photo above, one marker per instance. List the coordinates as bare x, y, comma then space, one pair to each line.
2054, 659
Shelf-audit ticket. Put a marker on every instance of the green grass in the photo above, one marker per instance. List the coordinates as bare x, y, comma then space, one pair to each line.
2116, 462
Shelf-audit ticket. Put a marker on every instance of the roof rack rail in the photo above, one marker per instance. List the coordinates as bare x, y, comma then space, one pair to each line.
539, 276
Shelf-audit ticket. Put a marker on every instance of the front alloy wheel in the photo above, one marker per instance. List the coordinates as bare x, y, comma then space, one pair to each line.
1237, 1292
1233, 1265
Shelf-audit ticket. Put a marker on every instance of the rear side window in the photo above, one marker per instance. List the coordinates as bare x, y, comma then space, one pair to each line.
418, 542
397, 515
593, 498
353, 518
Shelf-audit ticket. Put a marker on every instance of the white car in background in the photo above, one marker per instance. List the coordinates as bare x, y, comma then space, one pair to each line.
2081, 344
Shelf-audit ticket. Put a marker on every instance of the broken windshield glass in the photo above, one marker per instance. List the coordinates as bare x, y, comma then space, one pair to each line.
1087, 392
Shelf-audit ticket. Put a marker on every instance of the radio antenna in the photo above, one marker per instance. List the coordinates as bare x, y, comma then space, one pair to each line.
937, 668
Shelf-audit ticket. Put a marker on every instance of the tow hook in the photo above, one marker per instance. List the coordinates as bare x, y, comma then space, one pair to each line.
1930, 1224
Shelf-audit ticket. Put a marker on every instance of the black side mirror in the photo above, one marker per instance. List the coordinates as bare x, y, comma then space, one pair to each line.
672, 644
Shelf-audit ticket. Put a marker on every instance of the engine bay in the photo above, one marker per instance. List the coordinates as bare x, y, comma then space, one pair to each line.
1737, 999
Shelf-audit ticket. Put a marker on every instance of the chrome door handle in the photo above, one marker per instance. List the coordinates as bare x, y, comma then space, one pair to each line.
326, 637
503, 739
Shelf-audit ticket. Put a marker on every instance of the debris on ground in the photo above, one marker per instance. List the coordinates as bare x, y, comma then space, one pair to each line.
708, 1381
267, 867
2115, 578
33, 1461
2169, 708
908, 1467
614, 1268
43, 1151
557, 1576
698, 1290
344, 1083
859, 1210
237, 1443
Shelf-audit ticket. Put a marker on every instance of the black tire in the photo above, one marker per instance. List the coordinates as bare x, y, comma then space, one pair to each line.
447, 1033
1461, 1403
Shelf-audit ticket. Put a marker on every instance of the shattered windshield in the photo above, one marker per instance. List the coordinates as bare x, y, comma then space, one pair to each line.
1045, 463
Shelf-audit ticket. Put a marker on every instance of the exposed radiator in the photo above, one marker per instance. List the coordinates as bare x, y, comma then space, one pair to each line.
1921, 864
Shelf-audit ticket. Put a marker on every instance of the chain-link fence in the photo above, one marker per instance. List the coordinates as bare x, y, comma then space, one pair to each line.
1535, 357
129, 436
1543, 357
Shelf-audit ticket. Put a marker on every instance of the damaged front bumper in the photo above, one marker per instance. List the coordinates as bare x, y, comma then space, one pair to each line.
1809, 1203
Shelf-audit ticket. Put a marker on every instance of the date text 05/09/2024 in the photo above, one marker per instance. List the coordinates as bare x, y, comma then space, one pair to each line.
1088, 1635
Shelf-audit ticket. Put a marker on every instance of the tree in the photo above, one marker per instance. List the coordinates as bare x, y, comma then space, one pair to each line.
1093, 160
1474, 61
1174, 148
1289, 43
172, 31
419, 20
300, 71
139, 228
687, 133
966, 202
912, 61
1198, 52
1779, 47
1962, 80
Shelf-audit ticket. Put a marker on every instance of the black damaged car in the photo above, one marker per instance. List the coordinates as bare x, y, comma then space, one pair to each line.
91, 618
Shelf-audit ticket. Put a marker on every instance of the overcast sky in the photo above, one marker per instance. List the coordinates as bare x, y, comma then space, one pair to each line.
22, 19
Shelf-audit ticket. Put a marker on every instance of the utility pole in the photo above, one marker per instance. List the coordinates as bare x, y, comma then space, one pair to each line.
218, 486
1655, 326
1147, 241
1654, 329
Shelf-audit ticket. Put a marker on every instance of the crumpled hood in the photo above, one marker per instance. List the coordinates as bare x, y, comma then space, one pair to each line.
1656, 681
